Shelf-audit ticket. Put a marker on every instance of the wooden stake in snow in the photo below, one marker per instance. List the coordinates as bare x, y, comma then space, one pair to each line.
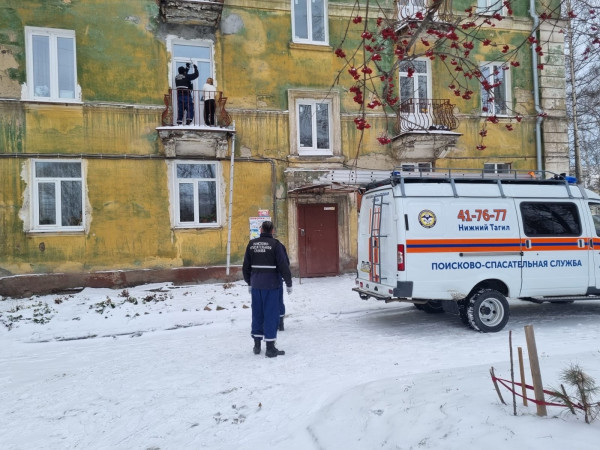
493, 375
536, 374
512, 373
522, 370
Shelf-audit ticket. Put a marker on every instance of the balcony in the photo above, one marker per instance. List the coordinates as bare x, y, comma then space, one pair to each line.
425, 129
426, 115
188, 133
194, 102
205, 13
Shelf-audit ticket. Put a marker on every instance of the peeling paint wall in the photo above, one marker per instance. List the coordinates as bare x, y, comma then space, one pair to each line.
122, 67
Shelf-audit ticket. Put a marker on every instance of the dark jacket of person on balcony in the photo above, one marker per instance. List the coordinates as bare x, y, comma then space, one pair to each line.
185, 99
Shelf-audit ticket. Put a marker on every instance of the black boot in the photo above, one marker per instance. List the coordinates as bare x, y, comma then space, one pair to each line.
256, 348
272, 352
281, 328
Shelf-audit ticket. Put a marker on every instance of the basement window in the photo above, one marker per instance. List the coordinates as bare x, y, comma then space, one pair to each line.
496, 168
417, 167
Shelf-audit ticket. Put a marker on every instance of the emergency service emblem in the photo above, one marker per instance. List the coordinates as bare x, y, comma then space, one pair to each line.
427, 218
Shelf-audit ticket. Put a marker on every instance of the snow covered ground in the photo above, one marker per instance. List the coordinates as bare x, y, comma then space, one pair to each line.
171, 367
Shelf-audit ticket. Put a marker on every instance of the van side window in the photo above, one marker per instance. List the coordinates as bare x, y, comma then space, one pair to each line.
595, 210
550, 219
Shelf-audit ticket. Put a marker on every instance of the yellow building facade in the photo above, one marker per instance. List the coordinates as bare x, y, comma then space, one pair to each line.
100, 184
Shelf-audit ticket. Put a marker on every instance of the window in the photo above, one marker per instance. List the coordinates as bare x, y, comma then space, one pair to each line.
496, 168
550, 219
196, 194
415, 82
51, 64
595, 210
314, 118
314, 123
416, 167
57, 196
495, 89
309, 21
200, 53
408, 8
490, 7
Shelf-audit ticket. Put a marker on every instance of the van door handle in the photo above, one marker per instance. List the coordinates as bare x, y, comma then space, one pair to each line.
580, 243
528, 243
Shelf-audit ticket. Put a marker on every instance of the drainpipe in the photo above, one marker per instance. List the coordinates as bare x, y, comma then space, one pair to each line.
536, 93
229, 220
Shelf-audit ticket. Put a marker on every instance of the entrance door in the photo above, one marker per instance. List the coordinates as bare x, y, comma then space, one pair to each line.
318, 252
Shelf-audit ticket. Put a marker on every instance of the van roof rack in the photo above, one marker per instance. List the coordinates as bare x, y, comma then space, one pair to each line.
399, 176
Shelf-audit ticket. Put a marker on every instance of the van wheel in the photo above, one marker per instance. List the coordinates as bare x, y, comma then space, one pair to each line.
487, 311
462, 311
432, 307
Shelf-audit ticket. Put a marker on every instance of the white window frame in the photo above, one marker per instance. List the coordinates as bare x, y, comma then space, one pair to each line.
420, 167
497, 168
309, 16
176, 61
53, 34
35, 200
295, 96
506, 85
313, 103
416, 76
491, 7
172, 41
175, 194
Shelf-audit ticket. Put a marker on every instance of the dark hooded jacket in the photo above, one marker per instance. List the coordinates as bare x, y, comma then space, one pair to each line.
265, 263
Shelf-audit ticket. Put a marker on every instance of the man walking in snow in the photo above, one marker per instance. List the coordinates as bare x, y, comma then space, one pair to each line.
265, 263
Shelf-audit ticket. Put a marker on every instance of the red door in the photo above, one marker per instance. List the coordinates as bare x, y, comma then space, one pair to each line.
318, 239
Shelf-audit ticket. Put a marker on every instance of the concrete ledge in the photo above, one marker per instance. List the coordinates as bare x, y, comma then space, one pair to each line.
19, 286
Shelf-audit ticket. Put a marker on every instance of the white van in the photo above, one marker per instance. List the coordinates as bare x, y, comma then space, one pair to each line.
464, 242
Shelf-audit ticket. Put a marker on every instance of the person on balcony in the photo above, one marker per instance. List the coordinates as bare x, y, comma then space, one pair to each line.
209, 92
185, 91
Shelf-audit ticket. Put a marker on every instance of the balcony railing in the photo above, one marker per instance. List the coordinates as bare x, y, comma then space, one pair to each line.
426, 114
408, 9
192, 106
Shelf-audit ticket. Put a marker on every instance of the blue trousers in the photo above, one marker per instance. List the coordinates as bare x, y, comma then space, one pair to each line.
185, 102
265, 313
281, 304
